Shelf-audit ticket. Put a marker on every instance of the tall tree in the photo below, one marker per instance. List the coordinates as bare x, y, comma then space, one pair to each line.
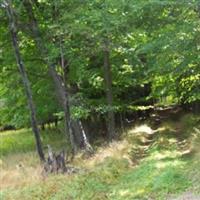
15, 42
62, 90
73, 128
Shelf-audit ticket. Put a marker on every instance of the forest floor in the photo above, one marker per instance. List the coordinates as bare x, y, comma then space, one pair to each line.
161, 163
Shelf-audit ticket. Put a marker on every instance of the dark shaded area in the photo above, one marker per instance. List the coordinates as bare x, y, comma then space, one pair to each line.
7, 128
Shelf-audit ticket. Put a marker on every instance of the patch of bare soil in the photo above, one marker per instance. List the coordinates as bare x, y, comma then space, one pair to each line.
185, 196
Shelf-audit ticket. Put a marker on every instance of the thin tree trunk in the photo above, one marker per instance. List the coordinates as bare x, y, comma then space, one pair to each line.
122, 122
109, 94
65, 104
81, 137
66, 107
58, 82
85, 142
14, 36
79, 134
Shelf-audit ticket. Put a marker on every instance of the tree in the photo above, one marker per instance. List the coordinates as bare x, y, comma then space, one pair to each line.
107, 59
14, 37
60, 78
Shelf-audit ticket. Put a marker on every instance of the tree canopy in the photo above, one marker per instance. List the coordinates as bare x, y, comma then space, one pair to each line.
153, 56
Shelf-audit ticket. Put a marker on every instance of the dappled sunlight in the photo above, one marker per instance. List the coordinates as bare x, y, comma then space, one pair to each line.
172, 141
142, 129
144, 162
117, 150
159, 155
124, 192
172, 163
131, 193
146, 129
99, 100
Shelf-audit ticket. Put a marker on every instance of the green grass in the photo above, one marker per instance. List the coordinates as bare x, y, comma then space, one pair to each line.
22, 141
112, 179
163, 171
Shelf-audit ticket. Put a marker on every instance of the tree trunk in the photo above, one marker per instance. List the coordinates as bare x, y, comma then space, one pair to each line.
60, 84
109, 94
65, 104
14, 36
80, 137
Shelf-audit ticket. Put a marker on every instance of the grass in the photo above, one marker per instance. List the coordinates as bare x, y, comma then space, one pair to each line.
112, 173
111, 179
22, 141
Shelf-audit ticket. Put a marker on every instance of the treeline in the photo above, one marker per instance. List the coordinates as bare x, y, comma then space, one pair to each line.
93, 63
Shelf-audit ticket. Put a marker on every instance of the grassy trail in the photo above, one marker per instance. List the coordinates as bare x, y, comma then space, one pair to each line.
145, 164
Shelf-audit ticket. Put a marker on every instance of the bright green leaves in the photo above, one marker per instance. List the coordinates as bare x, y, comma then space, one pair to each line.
152, 43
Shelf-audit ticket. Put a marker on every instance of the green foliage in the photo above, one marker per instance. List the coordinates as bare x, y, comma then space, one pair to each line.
153, 43
154, 48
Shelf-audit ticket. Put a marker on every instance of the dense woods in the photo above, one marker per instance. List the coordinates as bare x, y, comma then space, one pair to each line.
95, 65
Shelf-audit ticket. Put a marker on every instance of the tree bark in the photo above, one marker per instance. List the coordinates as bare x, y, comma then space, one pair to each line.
65, 104
81, 137
60, 85
78, 132
108, 90
14, 37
